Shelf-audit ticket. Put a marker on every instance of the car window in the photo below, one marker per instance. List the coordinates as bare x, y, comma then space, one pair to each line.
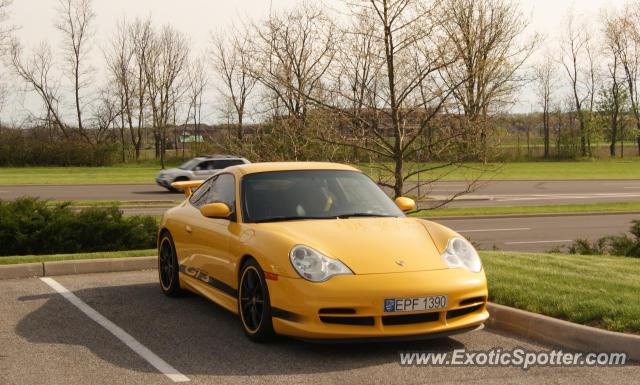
198, 198
313, 194
223, 189
224, 163
189, 165
206, 165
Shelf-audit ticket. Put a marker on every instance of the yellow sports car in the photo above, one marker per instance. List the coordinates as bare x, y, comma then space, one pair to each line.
318, 251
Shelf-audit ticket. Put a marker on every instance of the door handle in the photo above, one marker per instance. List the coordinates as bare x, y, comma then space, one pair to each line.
189, 229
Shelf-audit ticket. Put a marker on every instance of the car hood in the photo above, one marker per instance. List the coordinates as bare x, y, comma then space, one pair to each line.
367, 245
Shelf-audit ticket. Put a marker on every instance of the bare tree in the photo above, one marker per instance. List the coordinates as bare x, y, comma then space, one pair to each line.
198, 82
615, 46
75, 17
489, 37
164, 70
231, 62
119, 60
36, 72
629, 56
290, 54
546, 81
386, 89
141, 36
577, 49
5, 45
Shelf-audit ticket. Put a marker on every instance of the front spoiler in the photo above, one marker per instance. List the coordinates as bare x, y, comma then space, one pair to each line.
418, 337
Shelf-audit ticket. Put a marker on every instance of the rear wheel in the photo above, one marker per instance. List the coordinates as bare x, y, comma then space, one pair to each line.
254, 306
168, 266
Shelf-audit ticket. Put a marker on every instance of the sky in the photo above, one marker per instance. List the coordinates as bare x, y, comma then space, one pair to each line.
198, 18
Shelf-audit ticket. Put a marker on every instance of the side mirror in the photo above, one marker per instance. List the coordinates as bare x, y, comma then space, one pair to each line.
215, 210
405, 204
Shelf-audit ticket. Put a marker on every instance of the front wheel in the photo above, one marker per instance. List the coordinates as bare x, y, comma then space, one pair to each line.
254, 306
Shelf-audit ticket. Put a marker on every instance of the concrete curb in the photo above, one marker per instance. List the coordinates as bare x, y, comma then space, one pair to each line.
23, 270
84, 266
561, 333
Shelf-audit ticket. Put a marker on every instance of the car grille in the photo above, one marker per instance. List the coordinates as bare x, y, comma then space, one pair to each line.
471, 301
362, 321
461, 312
406, 319
337, 310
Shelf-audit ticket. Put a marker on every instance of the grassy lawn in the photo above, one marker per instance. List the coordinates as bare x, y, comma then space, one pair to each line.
549, 209
145, 173
114, 203
603, 169
601, 291
66, 257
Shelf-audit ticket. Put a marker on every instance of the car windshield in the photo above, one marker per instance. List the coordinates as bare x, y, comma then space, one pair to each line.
313, 194
189, 165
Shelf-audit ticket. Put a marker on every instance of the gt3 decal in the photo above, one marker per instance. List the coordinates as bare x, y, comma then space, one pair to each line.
209, 280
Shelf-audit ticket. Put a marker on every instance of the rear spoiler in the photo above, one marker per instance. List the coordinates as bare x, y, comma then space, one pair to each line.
187, 186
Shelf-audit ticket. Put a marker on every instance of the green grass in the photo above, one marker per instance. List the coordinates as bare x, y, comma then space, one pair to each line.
67, 257
78, 175
601, 291
549, 209
115, 203
145, 173
602, 169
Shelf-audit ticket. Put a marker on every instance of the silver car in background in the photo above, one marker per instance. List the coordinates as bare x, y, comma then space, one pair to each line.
197, 168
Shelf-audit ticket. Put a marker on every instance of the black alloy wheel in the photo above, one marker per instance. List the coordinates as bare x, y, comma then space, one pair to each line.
254, 304
168, 266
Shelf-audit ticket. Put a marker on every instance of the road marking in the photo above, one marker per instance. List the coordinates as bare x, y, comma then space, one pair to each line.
532, 242
479, 230
114, 329
625, 187
533, 197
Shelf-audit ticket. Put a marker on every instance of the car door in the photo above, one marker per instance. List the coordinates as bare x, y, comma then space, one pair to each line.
211, 235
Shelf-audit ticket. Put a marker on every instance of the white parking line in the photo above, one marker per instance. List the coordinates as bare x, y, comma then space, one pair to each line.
532, 242
479, 230
114, 329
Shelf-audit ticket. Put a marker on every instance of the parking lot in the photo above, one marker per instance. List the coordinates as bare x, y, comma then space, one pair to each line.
48, 340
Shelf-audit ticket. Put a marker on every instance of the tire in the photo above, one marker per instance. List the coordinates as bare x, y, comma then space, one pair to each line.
254, 305
168, 266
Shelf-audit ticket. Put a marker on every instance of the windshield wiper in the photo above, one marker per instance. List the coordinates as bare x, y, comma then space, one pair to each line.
354, 215
291, 218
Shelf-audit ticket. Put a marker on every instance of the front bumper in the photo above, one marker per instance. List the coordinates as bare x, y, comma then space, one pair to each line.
352, 306
166, 183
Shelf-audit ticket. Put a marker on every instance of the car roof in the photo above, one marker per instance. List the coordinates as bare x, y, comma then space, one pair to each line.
218, 156
252, 168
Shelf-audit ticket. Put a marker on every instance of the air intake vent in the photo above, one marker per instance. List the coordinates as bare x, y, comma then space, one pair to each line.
471, 301
337, 310
363, 321
407, 319
461, 312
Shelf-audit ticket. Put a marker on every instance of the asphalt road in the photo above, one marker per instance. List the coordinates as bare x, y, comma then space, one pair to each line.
538, 234
489, 193
46, 340
531, 233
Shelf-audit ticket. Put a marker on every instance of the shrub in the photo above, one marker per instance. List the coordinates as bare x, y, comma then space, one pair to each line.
612, 244
31, 226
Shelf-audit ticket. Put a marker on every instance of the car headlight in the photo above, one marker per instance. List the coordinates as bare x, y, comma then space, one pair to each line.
460, 253
315, 266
